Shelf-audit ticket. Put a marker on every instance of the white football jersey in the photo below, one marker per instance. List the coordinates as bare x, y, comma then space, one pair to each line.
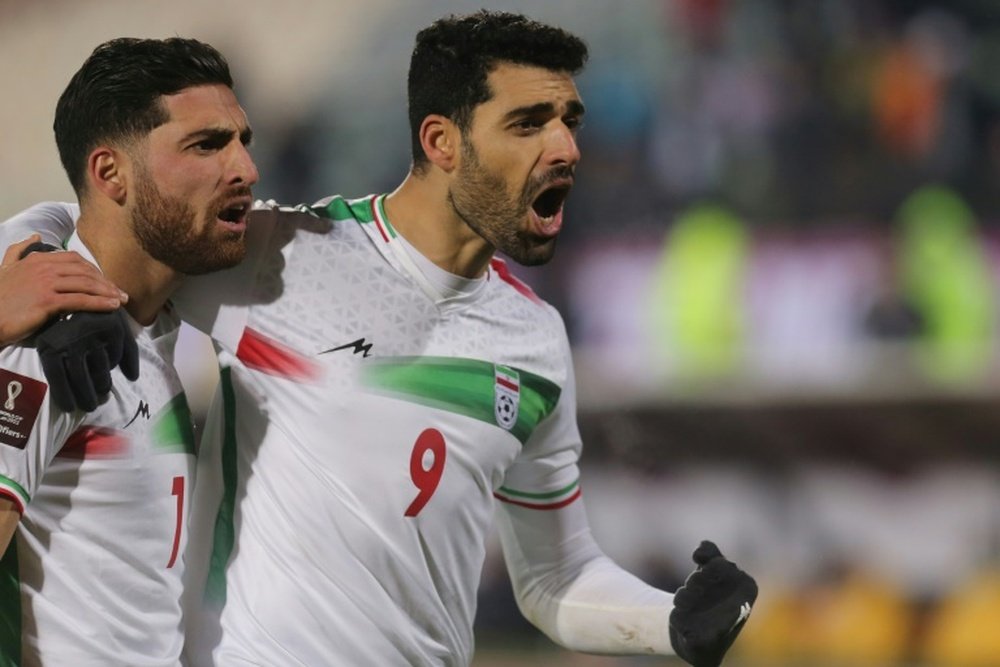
370, 416
93, 575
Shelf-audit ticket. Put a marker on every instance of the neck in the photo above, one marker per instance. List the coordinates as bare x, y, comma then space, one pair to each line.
122, 259
419, 210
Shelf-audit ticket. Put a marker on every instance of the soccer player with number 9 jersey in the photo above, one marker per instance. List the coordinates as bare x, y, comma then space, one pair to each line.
389, 388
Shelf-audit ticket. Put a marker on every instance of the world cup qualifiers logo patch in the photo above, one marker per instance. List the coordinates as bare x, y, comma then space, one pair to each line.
507, 396
20, 399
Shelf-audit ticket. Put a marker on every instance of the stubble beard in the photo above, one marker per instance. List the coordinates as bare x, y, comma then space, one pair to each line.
166, 229
479, 197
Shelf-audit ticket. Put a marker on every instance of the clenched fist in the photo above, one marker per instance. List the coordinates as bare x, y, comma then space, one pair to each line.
710, 608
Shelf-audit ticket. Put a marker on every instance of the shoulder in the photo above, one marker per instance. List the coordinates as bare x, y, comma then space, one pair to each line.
501, 270
535, 336
339, 208
21, 358
276, 225
334, 208
25, 398
520, 293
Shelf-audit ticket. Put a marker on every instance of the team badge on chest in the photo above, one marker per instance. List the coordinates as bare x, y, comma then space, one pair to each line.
507, 395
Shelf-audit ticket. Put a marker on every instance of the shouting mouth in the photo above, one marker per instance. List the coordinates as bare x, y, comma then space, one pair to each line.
233, 215
547, 209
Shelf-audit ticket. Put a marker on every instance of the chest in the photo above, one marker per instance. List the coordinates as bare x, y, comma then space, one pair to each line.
140, 419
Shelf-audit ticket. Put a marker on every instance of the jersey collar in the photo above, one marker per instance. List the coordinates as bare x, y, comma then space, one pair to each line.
445, 289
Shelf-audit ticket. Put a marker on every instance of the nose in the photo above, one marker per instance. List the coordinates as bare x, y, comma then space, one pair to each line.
243, 169
563, 149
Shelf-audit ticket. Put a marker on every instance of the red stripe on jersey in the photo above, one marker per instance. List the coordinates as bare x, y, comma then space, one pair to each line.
269, 356
501, 269
508, 384
18, 504
536, 506
95, 442
378, 223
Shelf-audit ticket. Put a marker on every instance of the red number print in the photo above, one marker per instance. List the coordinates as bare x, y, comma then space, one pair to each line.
177, 490
426, 479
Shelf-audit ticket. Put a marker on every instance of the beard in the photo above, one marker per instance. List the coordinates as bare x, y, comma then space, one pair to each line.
168, 229
480, 198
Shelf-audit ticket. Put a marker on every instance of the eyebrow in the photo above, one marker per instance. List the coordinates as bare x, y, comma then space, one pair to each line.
574, 107
218, 134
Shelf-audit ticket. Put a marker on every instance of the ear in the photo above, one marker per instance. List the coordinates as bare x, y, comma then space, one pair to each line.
441, 140
106, 173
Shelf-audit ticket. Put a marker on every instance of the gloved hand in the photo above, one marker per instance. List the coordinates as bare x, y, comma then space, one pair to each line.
710, 608
78, 351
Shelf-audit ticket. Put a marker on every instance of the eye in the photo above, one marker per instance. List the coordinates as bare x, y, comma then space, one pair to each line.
207, 145
202, 147
210, 142
527, 125
574, 123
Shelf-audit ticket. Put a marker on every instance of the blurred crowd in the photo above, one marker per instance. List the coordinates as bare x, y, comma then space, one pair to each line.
796, 113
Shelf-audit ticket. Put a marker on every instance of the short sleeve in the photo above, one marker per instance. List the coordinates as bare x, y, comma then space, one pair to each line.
32, 430
546, 475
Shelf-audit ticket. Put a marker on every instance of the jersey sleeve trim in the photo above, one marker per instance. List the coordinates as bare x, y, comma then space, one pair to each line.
540, 501
11, 489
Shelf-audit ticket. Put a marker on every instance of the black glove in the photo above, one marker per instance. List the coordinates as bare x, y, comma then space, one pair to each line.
710, 608
78, 351
37, 246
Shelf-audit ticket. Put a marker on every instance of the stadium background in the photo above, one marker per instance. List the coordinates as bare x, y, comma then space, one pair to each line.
779, 272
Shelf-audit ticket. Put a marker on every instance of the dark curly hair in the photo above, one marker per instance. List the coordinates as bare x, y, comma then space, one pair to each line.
115, 96
454, 55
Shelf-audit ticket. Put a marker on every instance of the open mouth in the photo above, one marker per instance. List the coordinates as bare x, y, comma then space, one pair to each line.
549, 204
236, 213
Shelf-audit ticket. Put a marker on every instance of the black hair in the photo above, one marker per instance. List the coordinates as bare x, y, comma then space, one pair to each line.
453, 57
116, 94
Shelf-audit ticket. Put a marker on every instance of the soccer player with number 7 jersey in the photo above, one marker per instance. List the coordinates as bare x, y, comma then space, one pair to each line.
388, 387
94, 505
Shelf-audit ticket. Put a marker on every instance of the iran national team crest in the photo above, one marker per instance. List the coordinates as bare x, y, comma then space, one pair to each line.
507, 395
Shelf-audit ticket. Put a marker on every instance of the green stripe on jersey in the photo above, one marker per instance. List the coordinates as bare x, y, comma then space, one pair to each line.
172, 427
463, 386
339, 208
565, 491
224, 535
10, 607
11, 485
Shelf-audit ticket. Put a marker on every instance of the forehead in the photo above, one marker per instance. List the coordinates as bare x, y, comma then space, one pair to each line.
211, 106
516, 86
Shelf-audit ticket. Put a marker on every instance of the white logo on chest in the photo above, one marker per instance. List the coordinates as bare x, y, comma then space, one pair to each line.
507, 395
13, 391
